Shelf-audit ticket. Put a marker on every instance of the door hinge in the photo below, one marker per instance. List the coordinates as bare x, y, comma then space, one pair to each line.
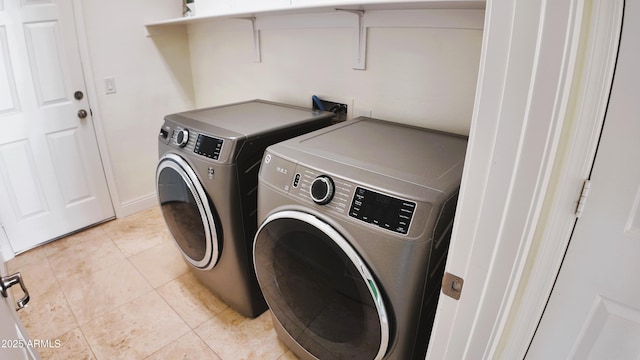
586, 187
452, 285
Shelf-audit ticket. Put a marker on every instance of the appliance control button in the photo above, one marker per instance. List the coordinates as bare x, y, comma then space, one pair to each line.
182, 138
296, 180
322, 189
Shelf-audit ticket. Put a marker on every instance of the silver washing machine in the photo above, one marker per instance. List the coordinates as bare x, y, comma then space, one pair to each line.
207, 179
355, 226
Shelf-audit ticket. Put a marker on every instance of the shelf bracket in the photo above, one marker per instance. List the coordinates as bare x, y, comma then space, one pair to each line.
256, 38
360, 53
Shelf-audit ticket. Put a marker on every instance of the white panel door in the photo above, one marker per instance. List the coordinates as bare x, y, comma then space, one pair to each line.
594, 309
51, 176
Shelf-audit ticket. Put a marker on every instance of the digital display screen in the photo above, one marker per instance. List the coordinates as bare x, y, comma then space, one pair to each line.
208, 146
382, 210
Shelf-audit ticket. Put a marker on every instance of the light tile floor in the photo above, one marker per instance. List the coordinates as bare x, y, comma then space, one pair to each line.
121, 290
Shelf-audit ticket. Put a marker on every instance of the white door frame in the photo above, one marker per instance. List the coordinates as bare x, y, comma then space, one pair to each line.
92, 95
544, 80
572, 165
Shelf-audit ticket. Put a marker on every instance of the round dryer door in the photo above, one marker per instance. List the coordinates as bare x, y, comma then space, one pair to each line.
319, 289
187, 211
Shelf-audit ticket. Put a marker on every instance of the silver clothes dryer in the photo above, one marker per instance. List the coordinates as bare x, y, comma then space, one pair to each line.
355, 226
206, 181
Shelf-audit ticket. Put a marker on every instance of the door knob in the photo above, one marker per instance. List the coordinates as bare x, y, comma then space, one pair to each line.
82, 113
8, 281
78, 95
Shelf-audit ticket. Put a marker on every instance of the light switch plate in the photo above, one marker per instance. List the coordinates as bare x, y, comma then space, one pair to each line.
109, 85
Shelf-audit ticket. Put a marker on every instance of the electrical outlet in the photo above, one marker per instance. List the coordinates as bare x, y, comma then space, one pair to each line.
362, 112
340, 109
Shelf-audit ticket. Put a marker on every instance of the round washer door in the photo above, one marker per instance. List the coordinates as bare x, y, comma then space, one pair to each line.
187, 211
319, 289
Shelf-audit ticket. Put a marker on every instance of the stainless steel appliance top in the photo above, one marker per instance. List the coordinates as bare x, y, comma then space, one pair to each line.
246, 119
420, 156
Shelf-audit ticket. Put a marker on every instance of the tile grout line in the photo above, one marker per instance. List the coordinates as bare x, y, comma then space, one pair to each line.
80, 326
193, 329
153, 289
64, 294
60, 288
116, 228
206, 343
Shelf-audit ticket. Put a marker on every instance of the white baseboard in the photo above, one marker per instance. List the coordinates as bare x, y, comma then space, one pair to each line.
136, 205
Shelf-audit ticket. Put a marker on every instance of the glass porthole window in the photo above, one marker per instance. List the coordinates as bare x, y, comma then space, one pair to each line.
187, 211
319, 289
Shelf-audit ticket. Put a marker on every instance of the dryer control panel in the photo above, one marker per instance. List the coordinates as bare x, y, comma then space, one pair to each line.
385, 211
346, 198
331, 192
338, 195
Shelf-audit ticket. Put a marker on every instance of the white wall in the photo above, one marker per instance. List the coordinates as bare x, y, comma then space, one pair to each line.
153, 78
421, 76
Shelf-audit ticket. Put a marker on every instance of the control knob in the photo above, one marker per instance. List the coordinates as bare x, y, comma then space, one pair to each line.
182, 138
322, 189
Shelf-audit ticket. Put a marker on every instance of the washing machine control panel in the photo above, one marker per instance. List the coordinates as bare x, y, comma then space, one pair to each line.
192, 141
208, 146
322, 189
330, 192
339, 195
182, 137
382, 210
352, 200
